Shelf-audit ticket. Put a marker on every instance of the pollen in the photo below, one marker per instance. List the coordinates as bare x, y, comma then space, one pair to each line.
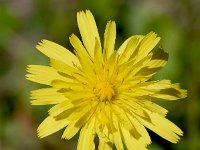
104, 91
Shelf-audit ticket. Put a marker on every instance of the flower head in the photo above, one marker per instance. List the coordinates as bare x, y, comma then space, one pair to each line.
104, 92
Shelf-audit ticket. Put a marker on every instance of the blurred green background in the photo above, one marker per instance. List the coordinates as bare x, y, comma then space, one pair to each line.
23, 23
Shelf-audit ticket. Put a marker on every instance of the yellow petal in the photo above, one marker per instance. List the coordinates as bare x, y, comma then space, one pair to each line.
79, 113
109, 39
59, 84
127, 105
68, 106
104, 145
135, 129
59, 108
63, 68
131, 142
146, 45
81, 118
84, 57
103, 113
57, 52
83, 94
46, 96
128, 70
88, 30
159, 89
43, 74
78, 46
162, 127
155, 85
173, 93
71, 114
70, 131
83, 78
120, 112
50, 125
86, 138
99, 61
116, 133
124, 45
104, 132
155, 108
143, 134
129, 50
158, 61
110, 67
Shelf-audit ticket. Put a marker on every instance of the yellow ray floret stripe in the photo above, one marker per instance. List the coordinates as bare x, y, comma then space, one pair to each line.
131, 142
159, 89
46, 96
109, 39
50, 125
143, 134
86, 138
88, 30
129, 50
104, 145
124, 45
57, 52
162, 127
44, 74
146, 45
70, 131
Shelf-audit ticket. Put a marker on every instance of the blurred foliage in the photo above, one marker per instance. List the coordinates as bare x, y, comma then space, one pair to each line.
23, 23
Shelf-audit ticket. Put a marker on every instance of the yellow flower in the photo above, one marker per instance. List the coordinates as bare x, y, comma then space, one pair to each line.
104, 92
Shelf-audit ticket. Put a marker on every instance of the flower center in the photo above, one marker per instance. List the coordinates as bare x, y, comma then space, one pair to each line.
104, 91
